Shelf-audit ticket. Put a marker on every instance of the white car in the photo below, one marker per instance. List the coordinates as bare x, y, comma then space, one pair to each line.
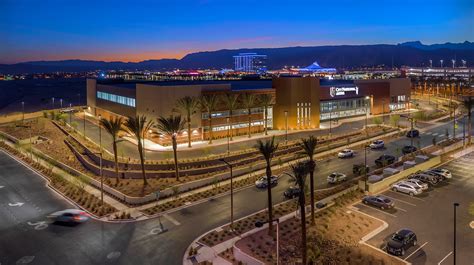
418, 183
336, 177
346, 153
407, 188
377, 144
262, 182
444, 173
69, 216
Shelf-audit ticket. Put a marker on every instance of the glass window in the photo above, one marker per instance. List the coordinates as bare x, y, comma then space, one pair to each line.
116, 98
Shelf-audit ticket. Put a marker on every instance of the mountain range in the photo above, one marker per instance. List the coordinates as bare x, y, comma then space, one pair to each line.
412, 53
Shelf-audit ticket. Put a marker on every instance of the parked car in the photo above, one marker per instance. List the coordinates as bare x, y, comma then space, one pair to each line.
438, 177
262, 182
384, 160
346, 153
336, 177
446, 174
69, 216
423, 186
413, 133
377, 144
358, 169
407, 149
292, 192
400, 241
407, 188
379, 201
426, 178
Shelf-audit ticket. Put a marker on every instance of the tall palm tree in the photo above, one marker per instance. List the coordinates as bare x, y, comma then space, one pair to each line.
249, 102
188, 106
113, 126
267, 149
138, 126
468, 103
300, 170
209, 102
266, 100
309, 149
231, 102
171, 127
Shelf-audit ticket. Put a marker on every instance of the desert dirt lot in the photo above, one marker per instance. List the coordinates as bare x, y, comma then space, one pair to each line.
431, 216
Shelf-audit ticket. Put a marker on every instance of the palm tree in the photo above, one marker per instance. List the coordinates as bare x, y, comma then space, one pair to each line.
249, 102
266, 100
300, 170
309, 149
209, 102
267, 149
138, 126
468, 102
171, 127
113, 126
231, 102
188, 106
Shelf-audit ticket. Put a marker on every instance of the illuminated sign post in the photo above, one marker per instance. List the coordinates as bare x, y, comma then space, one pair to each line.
341, 91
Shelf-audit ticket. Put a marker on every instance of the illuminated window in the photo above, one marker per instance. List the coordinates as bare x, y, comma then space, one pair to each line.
116, 98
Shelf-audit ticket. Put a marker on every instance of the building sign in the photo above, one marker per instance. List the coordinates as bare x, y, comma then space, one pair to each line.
341, 91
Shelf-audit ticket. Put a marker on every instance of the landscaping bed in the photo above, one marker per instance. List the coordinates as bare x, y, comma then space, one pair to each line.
333, 240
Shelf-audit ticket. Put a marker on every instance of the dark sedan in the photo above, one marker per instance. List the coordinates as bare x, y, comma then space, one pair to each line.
384, 160
379, 201
401, 241
292, 192
413, 133
408, 149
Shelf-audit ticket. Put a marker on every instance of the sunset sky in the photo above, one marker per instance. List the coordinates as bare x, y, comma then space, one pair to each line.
139, 30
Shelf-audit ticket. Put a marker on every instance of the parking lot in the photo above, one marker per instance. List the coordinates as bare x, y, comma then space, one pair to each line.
431, 216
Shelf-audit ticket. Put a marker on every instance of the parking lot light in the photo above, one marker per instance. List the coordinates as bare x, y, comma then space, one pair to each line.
454, 239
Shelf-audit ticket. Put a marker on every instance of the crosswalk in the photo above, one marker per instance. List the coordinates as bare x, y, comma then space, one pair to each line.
431, 133
462, 167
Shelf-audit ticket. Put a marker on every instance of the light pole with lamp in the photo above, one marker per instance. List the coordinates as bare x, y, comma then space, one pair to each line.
22, 112
260, 224
455, 205
231, 193
70, 113
365, 168
228, 135
60, 103
366, 112
84, 123
286, 127
100, 165
53, 102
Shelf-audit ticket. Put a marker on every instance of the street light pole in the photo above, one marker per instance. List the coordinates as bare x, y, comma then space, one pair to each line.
366, 112
454, 242
231, 193
228, 135
100, 165
70, 113
53, 102
330, 120
84, 129
365, 168
61, 103
286, 129
22, 112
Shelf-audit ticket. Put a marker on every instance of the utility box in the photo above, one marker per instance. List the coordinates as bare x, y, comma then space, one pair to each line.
374, 178
390, 171
420, 159
408, 164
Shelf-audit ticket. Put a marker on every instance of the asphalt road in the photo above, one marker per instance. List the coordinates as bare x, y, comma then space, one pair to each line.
128, 243
430, 216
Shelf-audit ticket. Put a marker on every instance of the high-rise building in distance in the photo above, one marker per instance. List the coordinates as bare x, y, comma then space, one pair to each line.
250, 63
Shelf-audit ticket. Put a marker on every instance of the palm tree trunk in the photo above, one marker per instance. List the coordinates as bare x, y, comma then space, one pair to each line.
230, 129
265, 120
250, 121
269, 195
189, 130
142, 162
175, 152
311, 186
303, 226
469, 116
210, 128
116, 161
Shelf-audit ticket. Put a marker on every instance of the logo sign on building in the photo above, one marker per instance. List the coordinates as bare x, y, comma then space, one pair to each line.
341, 91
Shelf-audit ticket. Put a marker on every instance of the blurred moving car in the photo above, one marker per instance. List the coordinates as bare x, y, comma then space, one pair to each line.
292, 192
379, 201
384, 160
262, 182
377, 144
407, 188
401, 241
346, 153
407, 149
336, 177
413, 133
69, 216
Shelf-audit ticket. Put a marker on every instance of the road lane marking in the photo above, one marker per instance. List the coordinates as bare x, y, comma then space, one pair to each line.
403, 210
413, 197
373, 208
439, 263
434, 134
415, 251
171, 219
1, 187
402, 201
16, 204
114, 255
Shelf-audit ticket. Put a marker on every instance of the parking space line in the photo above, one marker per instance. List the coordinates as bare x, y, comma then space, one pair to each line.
413, 197
171, 219
415, 251
403, 210
439, 263
402, 201
373, 208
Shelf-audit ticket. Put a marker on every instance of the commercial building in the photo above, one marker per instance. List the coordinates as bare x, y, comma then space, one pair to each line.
465, 73
299, 102
250, 63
